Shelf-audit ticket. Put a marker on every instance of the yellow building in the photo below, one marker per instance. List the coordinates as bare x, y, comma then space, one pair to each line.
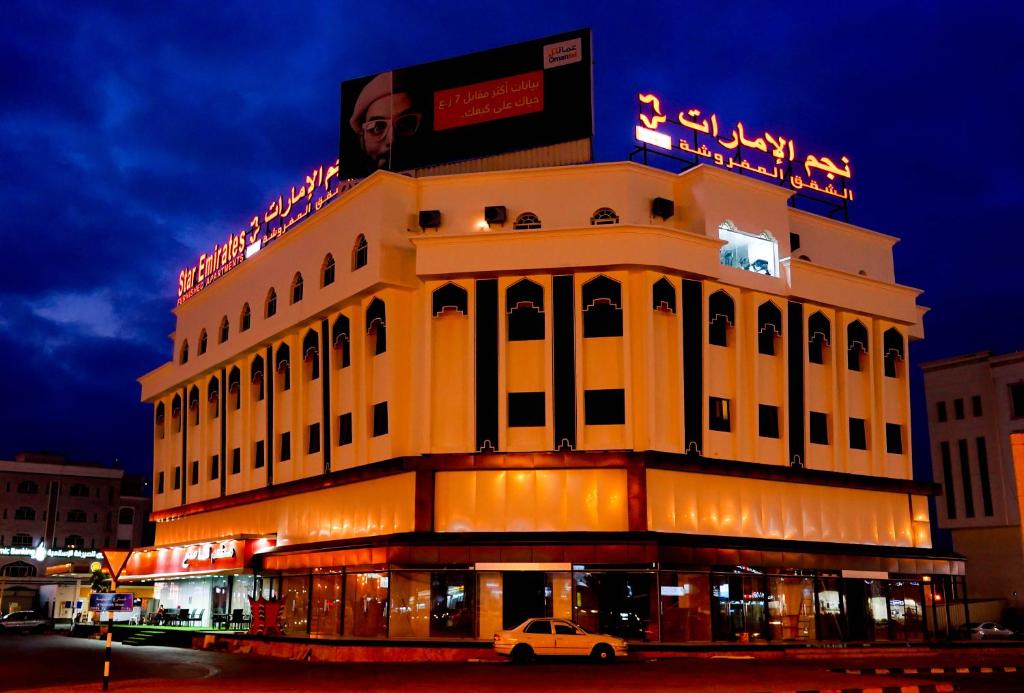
668, 406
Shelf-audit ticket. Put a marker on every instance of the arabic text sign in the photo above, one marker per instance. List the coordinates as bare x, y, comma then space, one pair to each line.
479, 103
738, 147
111, 601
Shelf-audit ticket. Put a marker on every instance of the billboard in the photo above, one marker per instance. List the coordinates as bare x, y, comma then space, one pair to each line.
516, 97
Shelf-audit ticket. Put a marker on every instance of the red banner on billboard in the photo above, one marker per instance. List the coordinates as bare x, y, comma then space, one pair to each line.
492, 100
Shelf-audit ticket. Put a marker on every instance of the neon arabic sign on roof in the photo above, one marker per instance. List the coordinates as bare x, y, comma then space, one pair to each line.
763, 154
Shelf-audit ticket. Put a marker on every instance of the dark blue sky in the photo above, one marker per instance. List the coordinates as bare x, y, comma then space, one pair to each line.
135, 135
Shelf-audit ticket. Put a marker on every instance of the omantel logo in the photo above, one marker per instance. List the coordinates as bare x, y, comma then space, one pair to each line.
206, 552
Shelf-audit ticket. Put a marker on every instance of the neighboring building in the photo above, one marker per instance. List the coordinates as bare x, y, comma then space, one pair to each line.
975, 408
60, 514
685, 427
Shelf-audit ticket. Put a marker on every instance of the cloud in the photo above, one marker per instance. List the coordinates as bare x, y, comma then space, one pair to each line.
92, 314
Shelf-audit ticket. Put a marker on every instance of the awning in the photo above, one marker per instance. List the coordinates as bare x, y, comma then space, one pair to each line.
216, 557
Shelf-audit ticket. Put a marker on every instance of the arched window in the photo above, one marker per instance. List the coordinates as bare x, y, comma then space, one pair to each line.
602, 307
19, 569
376, 326
79, 491
225, 330
604, 215
213, 397
360, 253
183, 358
256, 374
126, 516
524, 306
664, 296
74, 541
21, 540
176, 412
271, 304
892, 342
769, 327
28, 486
857, 344
721, 316
311, 355
341, 340
193, 404
327, 271
235, 388
77, 516
202, 341
450, 297
245, 319
527, 221
24, 513
283, 367
297, 287
819, 337
159, 420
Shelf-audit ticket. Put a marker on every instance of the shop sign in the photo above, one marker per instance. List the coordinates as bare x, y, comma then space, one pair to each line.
208, 552
192, 559
111, 601
41, 554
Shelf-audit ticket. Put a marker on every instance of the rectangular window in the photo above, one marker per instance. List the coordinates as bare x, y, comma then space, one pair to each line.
958, 409
259, 455
380, 419
286, 446
195, 472
314, 439
215, 467
177, 478
965, 478
604, 407
819, 428
940, 411
894, 438
976, 405
767, 421
1017, 400
986, 484
160, 483
526, 409
794, 241
718, 414
345, 429
236, 461
947, 481
858, 434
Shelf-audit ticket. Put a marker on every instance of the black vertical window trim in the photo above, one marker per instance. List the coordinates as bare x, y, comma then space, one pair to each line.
269, 389
325, 383
986, 484
947, 480
224, 431
797, 414
965, 477
184, 443
564, 360
487, 364
693, 364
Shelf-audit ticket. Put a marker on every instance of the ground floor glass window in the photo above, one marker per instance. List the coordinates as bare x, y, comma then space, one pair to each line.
685, 607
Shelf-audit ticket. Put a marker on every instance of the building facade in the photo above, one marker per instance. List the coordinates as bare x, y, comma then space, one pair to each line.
976, 425
668, 406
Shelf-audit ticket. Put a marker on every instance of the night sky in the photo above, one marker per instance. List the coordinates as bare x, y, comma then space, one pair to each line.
134, 136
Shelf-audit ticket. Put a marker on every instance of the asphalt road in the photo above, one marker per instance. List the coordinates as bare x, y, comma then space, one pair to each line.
61, 663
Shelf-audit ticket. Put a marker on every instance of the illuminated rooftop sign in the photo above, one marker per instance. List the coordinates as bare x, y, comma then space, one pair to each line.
702, 138
320, 187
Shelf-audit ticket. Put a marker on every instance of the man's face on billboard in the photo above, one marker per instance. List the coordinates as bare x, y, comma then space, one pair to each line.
388, 118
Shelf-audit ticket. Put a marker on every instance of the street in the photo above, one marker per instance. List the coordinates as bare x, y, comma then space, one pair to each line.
57, 662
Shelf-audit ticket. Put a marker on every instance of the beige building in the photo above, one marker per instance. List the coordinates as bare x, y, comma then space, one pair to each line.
976, 423
669, 406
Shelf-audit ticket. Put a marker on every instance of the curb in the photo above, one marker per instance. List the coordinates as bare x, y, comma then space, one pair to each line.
927, 688
929, 670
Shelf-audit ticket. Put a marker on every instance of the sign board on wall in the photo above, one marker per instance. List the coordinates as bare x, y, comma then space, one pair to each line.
516, 97
111, 601
192, 559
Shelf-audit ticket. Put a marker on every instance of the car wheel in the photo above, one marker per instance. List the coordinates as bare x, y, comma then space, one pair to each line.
602, 653
522, 654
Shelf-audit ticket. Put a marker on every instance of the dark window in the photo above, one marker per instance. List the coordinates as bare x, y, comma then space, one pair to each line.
819, 428
947, 480
29, 486
77, 516
202, 342
225, 330
213, 397
986, 484
1017, 400
965, 478
794, 241
256, 372
236, 460
160, 482
767, 421
604, 407
892, 342
602, 307
259, 457
74, 541
283, 367
313, 444
177, 478
565, 629
193, 404
958, 408
24, 513
124, 543
524, 304
360, 252
380, 419
184, 352
195, 472
604, 215
79, 491
526, 221
894, 438
664, 296
22, 541
327, 271
718, 414
526, 409
769, 326
449, 297
976, 405
345, 429
538, 628
940, 410
858, 434
176, 412
271, 306
235, 388
215, 467
297, 287
857, 344
245, 320
340, 339
311, 355
819, 336
159, 424
376, 327
721, 316
286, 446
